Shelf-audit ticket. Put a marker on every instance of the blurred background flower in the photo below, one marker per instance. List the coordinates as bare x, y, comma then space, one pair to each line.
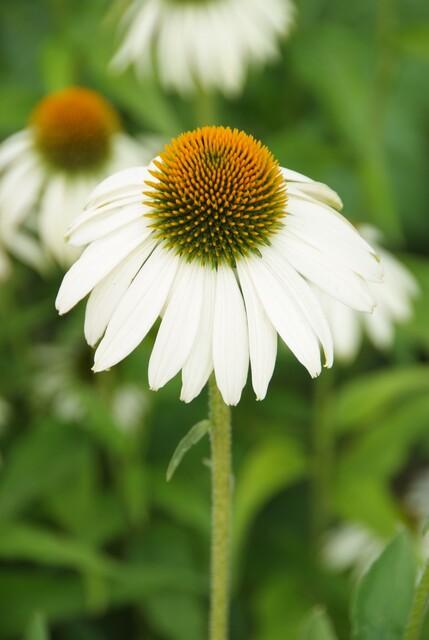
74, 138
202, 44
393, 298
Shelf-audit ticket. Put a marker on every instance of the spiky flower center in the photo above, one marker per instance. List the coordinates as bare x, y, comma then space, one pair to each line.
218, 195
73, 129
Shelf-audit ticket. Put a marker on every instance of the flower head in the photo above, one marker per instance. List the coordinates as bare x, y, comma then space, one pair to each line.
73, 140
218, 195
218, 240
73, 129
393, 298
203, 43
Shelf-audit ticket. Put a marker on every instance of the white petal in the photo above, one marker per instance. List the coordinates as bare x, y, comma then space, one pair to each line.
199, 364
98, 259
345, 326
298, 183
19, 191
60, 202
329, 231
262, 337
122, 184
106, 295
179, 325
304, 299
95, 227
13, 147
230, 339
380, 328
285, 315
324, 271
138, 309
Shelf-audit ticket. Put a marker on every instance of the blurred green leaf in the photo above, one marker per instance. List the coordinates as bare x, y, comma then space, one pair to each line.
414, 40
381, 391
318, 627
384, 596
37, 463
366, 466
345, 93
21, 541
37, 629
184, 500
176, 616
193, 436
273, 465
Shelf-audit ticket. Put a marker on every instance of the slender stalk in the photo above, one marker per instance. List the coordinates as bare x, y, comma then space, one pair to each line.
419, 608
205, 109
220, 435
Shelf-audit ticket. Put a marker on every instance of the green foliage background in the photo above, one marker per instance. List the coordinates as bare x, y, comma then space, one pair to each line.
94, 544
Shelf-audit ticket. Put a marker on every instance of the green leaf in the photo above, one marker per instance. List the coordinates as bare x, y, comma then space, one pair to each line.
318, 627
272, 466
346, 93
414, 40
384, 596
382, 391
19, 541
37, 629
394, 436
48, 454
193, 436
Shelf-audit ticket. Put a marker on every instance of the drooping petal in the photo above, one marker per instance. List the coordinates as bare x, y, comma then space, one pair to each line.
199, 364
98, 259
326, 272
304, 299
262, 336
297, 183
285, 315
230, 339
326, 230
179, 325
128, 182
107, 294
101, 225
138, 309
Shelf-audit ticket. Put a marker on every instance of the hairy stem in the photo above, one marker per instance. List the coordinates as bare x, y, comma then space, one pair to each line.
220, 435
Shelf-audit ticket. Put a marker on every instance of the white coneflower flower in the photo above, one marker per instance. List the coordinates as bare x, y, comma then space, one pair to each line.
221, 242
73, 140
203, 43
393, 298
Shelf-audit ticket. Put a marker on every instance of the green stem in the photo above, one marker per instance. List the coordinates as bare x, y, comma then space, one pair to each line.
220, 435
205, 109
419, 608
